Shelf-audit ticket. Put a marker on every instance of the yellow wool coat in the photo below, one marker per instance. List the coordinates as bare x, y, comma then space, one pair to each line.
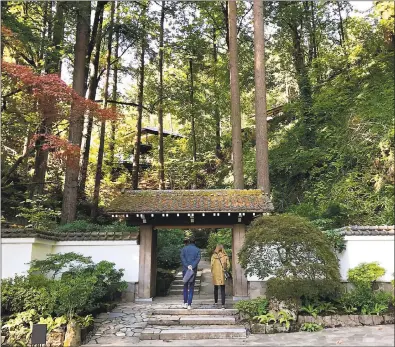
217, 271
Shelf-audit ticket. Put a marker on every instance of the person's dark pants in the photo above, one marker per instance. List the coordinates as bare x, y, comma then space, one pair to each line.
222, 294
189, 289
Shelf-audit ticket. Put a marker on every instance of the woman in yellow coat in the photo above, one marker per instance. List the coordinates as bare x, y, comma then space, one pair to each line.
219, 263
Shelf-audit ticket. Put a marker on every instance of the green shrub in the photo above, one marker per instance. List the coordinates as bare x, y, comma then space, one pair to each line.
201, 237
365, 274
79, 226
38, 213
21, 294
311, 327
336, 240
81, 286
170, 243
288, 247
222, 236
60, 262
304, 290
20, 327
364, 297
253, 307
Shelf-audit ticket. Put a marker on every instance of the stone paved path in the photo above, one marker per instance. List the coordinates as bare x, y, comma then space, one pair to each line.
123, 326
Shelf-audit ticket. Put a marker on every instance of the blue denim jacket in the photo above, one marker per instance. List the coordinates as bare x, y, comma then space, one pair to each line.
190, 255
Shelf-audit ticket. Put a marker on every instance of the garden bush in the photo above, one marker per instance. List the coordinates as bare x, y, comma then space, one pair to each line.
295, 254
86, 226
169, 246
365, 274
76, 286
306, 290
253, 307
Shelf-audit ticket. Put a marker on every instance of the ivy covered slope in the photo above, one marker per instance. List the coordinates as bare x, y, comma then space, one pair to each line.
345, 174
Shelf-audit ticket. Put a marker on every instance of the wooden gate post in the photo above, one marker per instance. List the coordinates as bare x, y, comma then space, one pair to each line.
240, 284
147, 264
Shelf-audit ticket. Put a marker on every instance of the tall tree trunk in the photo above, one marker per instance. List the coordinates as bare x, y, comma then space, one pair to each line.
237, 149
52, 66
225, 11
216, 109
93, 84
262, 155
191, 104
69, 206
160, 111
314, 29
114, 94
136, 161
341, 29
98, 13
100, 155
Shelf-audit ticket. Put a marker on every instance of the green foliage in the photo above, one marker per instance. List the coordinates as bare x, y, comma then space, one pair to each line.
37, 213
85, 321
81, 288
312, 310
350, 309
253, 307
222, 236
170, 242
301, 289
378, 309
59, 262
53, 323
296, 253
21, 294
365, 274
287, 246
266, 318
86, 226
336, 240
20, 327
327, 308
285, 317
363, 298
311, 327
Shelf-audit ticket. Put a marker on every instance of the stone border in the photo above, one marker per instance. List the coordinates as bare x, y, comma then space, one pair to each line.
336, 321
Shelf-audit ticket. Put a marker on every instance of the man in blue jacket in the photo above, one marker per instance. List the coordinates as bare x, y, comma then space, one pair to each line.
190, 258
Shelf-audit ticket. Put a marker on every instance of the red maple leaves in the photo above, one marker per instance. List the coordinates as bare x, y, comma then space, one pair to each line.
55, 101
53, 95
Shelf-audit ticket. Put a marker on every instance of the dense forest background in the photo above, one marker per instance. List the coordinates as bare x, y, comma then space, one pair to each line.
165, 65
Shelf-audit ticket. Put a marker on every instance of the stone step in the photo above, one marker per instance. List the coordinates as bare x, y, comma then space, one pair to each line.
180, 291
191, 320
193, 333
181, 283
194, 311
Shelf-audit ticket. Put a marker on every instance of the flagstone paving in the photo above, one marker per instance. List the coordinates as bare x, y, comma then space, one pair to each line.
123, 327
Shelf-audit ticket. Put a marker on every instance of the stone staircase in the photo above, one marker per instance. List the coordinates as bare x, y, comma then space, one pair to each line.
200, 323
177, 285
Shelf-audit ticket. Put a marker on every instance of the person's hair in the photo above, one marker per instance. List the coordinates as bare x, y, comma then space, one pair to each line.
220, 248
186, 241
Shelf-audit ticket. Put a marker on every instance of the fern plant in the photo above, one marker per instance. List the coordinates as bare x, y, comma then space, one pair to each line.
285, 316
349, 309
266, 318
378, 308
312, 310
311, 327
327, 307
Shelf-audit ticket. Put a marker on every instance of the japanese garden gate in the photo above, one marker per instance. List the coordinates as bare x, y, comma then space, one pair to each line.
188, 209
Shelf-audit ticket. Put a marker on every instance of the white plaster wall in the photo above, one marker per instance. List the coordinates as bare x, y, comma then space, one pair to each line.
364, 249
15, 254
125, 254
367, 249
